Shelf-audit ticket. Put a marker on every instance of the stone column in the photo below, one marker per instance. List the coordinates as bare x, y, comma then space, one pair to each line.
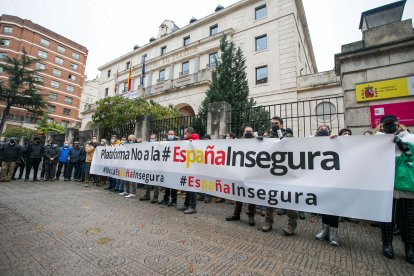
142, 127
196, 68
70, 134
218, 117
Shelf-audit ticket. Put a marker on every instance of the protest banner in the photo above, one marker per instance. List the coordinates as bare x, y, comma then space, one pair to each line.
345, 176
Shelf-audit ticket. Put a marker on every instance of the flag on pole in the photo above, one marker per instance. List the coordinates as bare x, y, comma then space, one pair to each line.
130, 77
116, 81
143, 69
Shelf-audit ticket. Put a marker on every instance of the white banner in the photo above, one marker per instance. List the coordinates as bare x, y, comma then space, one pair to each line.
349, 176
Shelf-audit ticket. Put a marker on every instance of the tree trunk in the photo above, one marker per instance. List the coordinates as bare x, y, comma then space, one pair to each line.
6, 112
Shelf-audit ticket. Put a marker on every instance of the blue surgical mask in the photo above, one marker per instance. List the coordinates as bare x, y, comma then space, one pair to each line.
324, 132
66, 145
170, 137
123, 142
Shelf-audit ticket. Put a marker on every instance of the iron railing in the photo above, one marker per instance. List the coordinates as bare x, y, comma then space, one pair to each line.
303, 117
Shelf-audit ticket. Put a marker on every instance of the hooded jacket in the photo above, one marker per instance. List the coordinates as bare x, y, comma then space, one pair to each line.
11, 153
76, 155
64, 153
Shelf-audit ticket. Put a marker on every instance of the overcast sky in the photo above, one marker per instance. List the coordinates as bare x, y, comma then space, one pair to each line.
110, 28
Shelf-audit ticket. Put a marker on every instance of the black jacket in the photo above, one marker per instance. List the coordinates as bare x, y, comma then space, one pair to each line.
35, 150
52, 152
11, 153
77, 155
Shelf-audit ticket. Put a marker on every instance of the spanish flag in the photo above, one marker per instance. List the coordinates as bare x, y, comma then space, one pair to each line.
130, 77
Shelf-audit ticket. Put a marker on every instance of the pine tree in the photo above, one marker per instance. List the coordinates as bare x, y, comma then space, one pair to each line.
21, 90
229, 83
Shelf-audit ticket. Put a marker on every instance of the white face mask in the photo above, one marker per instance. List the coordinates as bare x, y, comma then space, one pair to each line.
112, 141
152, 140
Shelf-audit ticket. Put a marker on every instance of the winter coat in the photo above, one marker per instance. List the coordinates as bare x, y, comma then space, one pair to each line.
35, 150
52, 153
64, 153
405, 137
89, 153
11, 153
76, 155
193, 136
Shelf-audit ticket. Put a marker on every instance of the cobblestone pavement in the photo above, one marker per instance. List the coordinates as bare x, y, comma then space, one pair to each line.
63, 228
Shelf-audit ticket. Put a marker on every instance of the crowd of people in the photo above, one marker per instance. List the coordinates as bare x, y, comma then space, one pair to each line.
75, 161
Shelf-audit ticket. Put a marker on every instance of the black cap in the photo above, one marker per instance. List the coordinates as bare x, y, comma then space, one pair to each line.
207, 137
389, 119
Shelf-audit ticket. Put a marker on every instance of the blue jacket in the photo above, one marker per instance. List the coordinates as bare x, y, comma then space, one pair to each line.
64, 152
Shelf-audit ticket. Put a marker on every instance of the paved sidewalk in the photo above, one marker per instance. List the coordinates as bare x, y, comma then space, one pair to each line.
63, 228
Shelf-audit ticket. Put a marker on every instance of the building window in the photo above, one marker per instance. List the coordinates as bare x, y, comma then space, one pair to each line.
72, 77
325, 111
213, 30
108, 73
261, 75
106, 92
163, 50
260, 12
40, 66
74, 66
44, 42
128, 64
212, 59
70, 88
53, 96
39, 78
3, 56
1, 69
125, 89
54, 84
51, 108
5, 42
261, 43
42, 54
61, 49
64, 123
68, 100
75, 56
66, 111
50, 120
161, 75
186, 41
7, 30
57, 72
59, 60
185, 68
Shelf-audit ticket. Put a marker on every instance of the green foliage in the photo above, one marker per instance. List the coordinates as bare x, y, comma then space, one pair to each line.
116, 111
229, 79
229, 83
43, 127
18, 132
20, 90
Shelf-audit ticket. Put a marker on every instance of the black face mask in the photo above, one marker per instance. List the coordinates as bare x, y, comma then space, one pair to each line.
323, 133
36, 142
248, 135
12, 141
275, 128
389, 128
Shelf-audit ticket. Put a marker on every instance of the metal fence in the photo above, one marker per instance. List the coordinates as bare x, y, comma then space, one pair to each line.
178, 124
84, 136
59, 139
303, 117
120, 131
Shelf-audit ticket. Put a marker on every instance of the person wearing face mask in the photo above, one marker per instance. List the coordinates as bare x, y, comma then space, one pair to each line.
119, 183
130, 188
89, 150
403, 202
11, 153
147, 195
23, 161
279, 132
102, 180
247, 134
63, 161
43, 171
51, 159
329, 231
168, 192
76, 156
114, 140
190, 203
35, 153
